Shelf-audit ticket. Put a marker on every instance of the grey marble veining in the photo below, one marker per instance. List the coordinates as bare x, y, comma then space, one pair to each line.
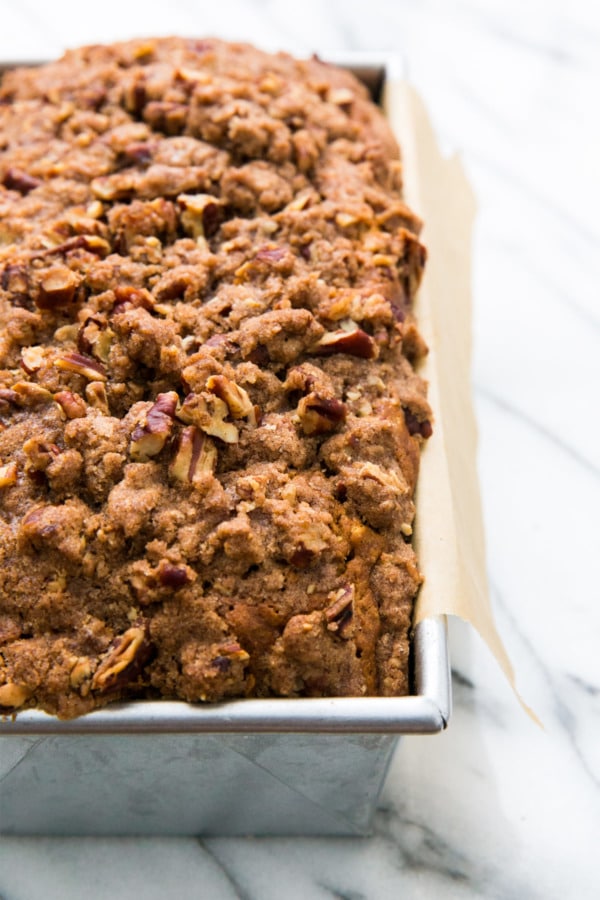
495, 807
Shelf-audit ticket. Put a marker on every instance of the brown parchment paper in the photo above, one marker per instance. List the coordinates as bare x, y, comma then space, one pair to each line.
449, 534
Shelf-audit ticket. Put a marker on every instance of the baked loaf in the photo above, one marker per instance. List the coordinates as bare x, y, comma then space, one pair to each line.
210, 417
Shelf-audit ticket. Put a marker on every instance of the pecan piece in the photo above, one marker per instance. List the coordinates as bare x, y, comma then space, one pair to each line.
127, 296
96, 396
13, 695
263, 261
125, 660
236, 398
81, 364
202, 214
25, 394
195, 454
152, 431
415, 426
339, 613
302, 557
139, 153
32, 359
80, 675
342, 97
270, 254
71, 404
40, 454
320, 415
227, 654
173, 576
95, 338
310, 545
8, 396
93, 243
15, 280
166, 116
8, 474
31, 394
208, 412
57, 288
346, 220
17, 180
355, 343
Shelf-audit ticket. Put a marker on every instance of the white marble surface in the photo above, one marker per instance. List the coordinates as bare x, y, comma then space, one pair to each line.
494, 807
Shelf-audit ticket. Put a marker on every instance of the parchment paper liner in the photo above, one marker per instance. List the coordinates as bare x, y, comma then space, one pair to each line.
449, 534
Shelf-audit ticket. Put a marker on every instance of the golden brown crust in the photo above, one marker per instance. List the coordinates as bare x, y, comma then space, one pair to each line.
210, 418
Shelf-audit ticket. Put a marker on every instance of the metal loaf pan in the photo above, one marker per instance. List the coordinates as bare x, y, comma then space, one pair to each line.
283, 767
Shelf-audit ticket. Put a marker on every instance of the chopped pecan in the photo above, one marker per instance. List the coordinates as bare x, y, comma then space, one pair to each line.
127, 296
173, 576
80, 674
8, 396
308, 547
202, 214
227, 654
112, 187
263, 261
190, 77
17, 180
320, 415
81, 364
270, 254
125, 660
39, 454
195, 455
166, 116
12, 696
32, 359
8, 474
151, 433
96, 396
25, 394
346, 220
339, 613
302, 557
342, 97
139, 153
208, 412
386, 476
415, 426
94, 337
95, 210
221, 663
136, 97
355, 343
302, 200
71, 404
15, 280
236, 398
31, 394
86, 225
93, 243
57, 288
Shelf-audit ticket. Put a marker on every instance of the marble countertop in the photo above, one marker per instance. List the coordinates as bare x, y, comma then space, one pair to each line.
495, 806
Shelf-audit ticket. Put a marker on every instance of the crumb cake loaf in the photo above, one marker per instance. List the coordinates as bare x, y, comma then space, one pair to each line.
210, 420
